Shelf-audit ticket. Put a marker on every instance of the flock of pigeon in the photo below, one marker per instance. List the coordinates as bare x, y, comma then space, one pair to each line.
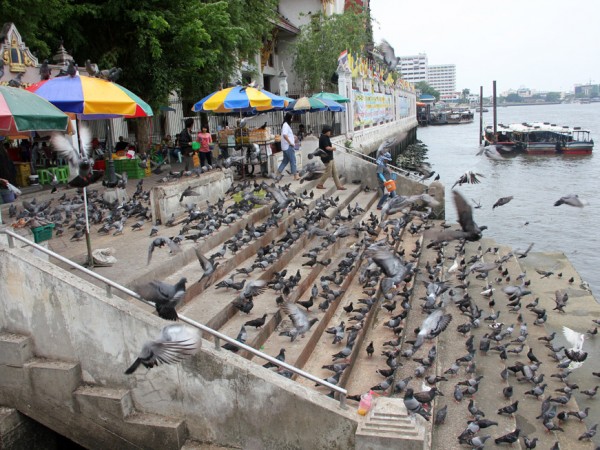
389, 281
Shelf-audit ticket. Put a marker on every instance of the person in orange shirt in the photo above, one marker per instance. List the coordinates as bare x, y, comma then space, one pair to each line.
205, 153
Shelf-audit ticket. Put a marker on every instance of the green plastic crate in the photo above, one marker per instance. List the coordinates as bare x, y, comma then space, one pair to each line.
43, 233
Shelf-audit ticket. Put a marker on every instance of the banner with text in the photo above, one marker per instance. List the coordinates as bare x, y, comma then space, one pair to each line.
372, 108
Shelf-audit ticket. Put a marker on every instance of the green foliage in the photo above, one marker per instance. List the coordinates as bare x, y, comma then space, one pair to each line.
425, 88
188, 46
320, 43
514, 98
553, 97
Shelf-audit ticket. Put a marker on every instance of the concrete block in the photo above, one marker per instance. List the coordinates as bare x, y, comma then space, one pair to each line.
54, 381
164, 432
102, 403
12, 379
15, 349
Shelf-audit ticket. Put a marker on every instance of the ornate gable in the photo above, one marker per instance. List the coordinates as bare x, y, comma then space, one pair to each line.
14, 53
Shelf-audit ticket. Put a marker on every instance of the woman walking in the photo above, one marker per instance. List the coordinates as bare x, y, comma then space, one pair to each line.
287, 147
327, 159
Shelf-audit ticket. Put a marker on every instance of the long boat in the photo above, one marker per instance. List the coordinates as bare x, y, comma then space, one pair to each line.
542, 138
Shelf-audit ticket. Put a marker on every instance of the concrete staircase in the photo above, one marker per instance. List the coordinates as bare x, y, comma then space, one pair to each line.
110, 413
52, 393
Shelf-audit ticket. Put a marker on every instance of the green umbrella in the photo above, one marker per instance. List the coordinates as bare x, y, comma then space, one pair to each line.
331, 96
22, 111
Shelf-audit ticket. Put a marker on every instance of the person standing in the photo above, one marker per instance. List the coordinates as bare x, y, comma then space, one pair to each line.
287, 147
327, 159
383, 175
205, 153
185, 142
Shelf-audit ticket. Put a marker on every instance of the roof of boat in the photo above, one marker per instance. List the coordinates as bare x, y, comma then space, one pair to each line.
538, 126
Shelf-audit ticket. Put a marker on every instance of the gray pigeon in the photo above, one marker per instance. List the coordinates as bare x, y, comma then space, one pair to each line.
174, 343
502, 201
392, 266
161, 242
207, 265
165, 296
299, 320
571, 200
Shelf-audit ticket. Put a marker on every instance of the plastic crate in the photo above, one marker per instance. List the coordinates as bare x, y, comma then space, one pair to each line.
135, 173
43, 233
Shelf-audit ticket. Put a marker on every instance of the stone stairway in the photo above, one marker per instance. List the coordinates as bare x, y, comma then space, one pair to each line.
52, 392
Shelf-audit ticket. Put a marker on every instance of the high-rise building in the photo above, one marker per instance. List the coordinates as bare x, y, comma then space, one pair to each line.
442, 77
413, 68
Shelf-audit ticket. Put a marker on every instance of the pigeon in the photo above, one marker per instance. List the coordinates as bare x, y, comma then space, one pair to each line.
91, 69
175, 343
80, 163
45, 71
188, 192
440, 415
389, 58
571, 200
207, 265
509, 438
161, 242
279, 357
510, 409
257, 323
432, 326
468, 177
469, 229
165, 296
299, 320
502, 201
392, 266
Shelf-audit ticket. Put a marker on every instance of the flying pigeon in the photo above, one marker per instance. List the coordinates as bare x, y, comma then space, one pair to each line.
502, 201
175, 343
571, 200
165, 296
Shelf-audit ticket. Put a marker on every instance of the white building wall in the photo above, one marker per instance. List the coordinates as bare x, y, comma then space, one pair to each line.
414, 68
442, 77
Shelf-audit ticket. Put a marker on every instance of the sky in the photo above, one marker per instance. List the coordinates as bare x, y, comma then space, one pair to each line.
546, 45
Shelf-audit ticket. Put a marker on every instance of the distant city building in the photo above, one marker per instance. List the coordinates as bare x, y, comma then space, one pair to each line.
442, 77
413, 68
587, 90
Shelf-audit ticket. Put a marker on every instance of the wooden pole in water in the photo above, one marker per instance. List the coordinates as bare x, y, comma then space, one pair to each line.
480, 114
495, 116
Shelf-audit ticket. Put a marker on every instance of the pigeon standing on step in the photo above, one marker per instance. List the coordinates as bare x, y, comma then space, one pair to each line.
174, 343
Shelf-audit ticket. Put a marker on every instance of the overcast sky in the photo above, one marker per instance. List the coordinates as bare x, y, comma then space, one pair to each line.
540, 44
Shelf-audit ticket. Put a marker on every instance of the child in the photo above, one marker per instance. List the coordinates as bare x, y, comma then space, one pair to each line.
383, 175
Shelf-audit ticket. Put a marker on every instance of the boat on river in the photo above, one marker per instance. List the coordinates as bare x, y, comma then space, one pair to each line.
450, 116
541, 138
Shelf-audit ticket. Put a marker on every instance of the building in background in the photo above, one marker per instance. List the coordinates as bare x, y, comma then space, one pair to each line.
413, 68
442, 77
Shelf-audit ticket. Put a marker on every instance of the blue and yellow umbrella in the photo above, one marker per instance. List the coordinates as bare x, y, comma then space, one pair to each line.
239, 99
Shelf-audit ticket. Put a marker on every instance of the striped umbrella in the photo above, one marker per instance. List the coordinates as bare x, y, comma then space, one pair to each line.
22, 111
239, 99
312, 104
91, 98
331, 96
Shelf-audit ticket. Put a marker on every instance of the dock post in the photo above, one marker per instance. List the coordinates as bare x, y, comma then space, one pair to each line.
480, 115
495, 116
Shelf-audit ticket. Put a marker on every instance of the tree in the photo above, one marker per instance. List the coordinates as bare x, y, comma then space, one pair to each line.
320, 43
162, 46
553, 97
465, 94
514, 98
425, 88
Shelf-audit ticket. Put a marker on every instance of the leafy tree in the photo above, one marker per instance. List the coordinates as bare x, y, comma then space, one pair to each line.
553, 97
162, 46
514, 98
465, 93
322, 40
425, 88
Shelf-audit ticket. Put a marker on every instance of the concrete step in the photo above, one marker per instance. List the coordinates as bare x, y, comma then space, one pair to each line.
115, 404
162, 431
388, 425
214, 306
15, 349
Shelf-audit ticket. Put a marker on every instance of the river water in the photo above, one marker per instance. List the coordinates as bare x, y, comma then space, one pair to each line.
536, 182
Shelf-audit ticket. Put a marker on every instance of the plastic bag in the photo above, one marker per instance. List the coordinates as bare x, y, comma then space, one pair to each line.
366, 401
196, 160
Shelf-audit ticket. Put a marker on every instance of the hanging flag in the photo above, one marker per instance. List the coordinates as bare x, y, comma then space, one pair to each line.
343, 60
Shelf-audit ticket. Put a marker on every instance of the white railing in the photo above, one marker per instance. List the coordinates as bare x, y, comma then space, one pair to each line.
109, 284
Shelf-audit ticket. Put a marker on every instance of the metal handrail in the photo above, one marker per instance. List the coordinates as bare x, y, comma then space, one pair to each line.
11, 235
399, 170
